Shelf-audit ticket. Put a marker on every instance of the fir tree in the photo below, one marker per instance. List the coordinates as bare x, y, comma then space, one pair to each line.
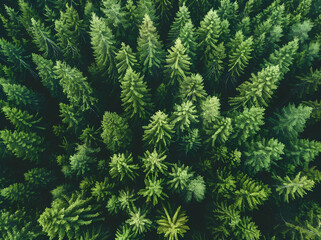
103, 43
154, 163
153, 190
39, 178
126, 199
183, 116
24, 145
292, 188
177, 63
102, 190
196, 189
180, 177
67, 216
125, 59
116, 133
309, 83
146, 7
75, 86
135, 95
149, 48
16, 193
219, 131
188, 38
11, 23
158, 133
210, 110
121, 166
138, 221
192, 88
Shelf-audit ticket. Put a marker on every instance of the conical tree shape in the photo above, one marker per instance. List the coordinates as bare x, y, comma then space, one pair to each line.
125, 59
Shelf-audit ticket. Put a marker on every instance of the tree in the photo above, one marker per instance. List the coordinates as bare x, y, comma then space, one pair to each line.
75, 86
138, 221
262, 153
43, 39
121, 166
247, 123
146, 7
22, 120
135, 95
291, 121
196, 190
259, 89
190, 142
188, 38
11, 23
309, 83
149, 48
69, 30
67, 216
154, 163
192, 89
103, 43
125, 59
124, 232
22, 144
153, 190
39, 178
180, 177
47, 75
182, 17
210, 110
158, 133
126, 199
292, 188
219, 131
116, 133
70, 116
300, 30
95, 232
174, 226
102, 190
184, 115
16, 193
83, 160
177, 63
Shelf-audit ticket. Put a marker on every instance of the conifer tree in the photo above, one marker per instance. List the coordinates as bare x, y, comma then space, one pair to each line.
11, 23
67, 216
259, 89
153, 190
184, 115
75, 86
292, 188
146, 7
182, 17
180, 177
192, 88
70, 116
196, 189
261, 154
39, 177
126, 199
104, 45
177, 63
70, 28
24, 145
102, 190
138, 221
219, 131
210, 110
154, 163
149, 48
190, 142
116, 133
188, 38
309, 83
125, 59
158, 133
47, 75
121, 166
135, 95
16, 193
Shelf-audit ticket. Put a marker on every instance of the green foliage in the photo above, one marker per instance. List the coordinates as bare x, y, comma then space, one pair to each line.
219, 131
70, 116
309, 83
116, 133
39, 177
125, 59
177, 63
261, 154
75, 86
27, 146
180, 177
187, 36
154, 163
149, 48
210, 110
67, 216
135, 95
124, 233
95, 232
184, 115
126, 199
173, 227
103, 43
292, 188
190, 142
138, 221
196, 189
300, 30
259, 89
16, 193
102, 190
158, 132
121, 166
153, 190
192, 89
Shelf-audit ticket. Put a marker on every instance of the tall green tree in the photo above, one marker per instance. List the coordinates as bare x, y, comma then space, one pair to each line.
125, 59
121, 166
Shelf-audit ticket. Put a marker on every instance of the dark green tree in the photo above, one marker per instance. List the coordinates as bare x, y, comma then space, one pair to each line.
125, 59
153, 190
138, 221
192, 89
121, 166
154, 163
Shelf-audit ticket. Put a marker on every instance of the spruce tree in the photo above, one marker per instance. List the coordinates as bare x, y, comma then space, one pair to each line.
192, 89
309, 83
121, 166
136, 99
153, 190
184, 115
188, 39
154, 163
125, 59
138, 221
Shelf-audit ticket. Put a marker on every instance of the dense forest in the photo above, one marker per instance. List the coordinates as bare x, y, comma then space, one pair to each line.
160, 119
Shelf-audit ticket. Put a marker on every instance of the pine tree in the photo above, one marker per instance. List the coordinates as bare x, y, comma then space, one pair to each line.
192, 88
11, 23
177, 63
153, 190
124, 232
190, 142
22, 120
188, 38
309, 83
43, 39
16, 193
39, 178
69, 35
102, 190
121, 166
164, 9
247, 123
116, 133
146, 7
292, 188
47, 75
104, 45
219, 131
247, 230
173, 227
158, 133
135, 96
184, 116
67, 216
149, 48
210, 110
138, 221
126, 199
301, 30
196, 190
259, 89
180, 177
70, 116
262, 153
95, 232
154, 163
125, 59
75, 86
291, 121
27, 146
182, 17
229, 11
